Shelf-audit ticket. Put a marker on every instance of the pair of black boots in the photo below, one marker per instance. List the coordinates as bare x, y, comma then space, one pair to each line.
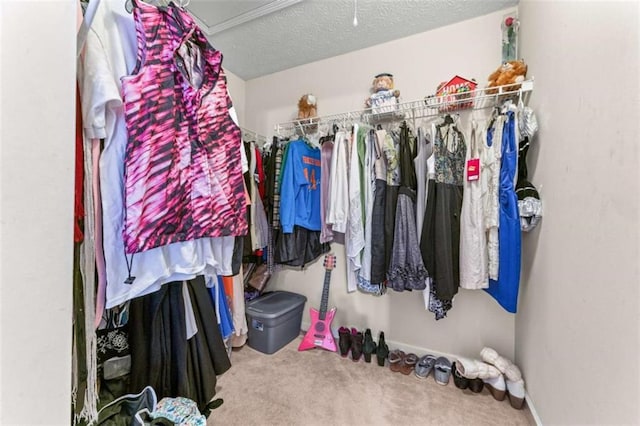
359, 344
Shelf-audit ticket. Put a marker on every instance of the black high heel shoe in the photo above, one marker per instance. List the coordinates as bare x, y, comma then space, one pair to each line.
344, 342
382, 351
369, 346
356, 345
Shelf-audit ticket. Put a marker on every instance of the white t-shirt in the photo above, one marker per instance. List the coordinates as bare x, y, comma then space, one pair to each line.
103, 118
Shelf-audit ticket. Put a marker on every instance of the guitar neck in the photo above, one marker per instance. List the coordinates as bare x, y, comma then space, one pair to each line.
325, 294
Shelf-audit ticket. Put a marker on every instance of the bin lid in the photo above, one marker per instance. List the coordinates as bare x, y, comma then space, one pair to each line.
275, 304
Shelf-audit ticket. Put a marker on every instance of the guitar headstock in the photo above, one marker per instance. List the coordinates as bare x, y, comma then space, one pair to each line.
329, 261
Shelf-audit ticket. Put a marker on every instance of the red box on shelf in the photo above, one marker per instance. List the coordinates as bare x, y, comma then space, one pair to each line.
456, 94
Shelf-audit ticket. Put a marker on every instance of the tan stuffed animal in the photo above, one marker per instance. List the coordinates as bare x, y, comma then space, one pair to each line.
507, 73
383, 91
307, 106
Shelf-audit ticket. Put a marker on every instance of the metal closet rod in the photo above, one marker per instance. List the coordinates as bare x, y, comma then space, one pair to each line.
246, 133
428, 107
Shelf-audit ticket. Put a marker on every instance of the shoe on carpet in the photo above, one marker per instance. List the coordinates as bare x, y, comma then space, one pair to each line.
474, 369
369, 346
459, 380
356, 344
409, 364
476, 385
497, 387
382, 350
424, 366
504, 365
344, 341
515, 389
442, 371
396, 360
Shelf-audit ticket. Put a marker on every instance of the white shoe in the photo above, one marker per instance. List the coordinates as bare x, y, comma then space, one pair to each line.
516, 393
474, 369
496, 386
506, 367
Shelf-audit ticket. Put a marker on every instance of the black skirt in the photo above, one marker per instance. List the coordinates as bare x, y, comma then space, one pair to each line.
161, 355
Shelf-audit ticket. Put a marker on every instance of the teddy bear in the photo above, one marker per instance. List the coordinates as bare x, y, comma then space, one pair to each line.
384, 97
307, 106
307, 111
509, 72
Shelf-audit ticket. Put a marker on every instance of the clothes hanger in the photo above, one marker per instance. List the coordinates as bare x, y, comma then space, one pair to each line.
448, 119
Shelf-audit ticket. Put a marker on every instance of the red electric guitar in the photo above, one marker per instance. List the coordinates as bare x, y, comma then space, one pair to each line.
319, 333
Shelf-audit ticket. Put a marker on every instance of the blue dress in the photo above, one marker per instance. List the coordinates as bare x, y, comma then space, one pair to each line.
219, 299
505, 289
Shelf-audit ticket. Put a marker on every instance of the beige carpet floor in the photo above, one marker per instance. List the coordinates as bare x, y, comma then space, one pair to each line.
317, 387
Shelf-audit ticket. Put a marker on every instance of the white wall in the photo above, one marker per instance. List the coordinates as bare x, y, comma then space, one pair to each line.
419, 63
577, 331
37, 85
237, 89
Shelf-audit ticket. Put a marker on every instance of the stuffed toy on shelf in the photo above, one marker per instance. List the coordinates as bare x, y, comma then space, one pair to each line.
307, 106
307, 111
508, 73
384, 98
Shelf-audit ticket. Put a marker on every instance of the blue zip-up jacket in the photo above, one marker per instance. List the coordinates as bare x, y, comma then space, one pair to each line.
300, 190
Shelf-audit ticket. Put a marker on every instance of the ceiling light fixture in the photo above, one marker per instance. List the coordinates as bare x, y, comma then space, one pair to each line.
355, 13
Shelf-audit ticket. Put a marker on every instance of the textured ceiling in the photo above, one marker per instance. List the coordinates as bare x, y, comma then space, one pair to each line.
216, 12
319, 29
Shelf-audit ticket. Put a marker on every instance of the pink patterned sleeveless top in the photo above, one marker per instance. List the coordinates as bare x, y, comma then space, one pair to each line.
183, 171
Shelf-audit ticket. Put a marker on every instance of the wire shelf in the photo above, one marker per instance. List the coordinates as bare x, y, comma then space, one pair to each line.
412, 110
250, 135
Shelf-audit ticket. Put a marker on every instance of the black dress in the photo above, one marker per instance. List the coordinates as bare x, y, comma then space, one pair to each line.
440, 241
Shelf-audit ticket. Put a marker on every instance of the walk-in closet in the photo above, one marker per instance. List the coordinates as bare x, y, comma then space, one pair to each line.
301, 212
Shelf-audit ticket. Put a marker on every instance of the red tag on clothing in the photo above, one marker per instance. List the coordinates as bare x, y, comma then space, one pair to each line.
473, 169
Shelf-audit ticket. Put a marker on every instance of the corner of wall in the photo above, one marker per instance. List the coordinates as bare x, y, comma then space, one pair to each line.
237, 88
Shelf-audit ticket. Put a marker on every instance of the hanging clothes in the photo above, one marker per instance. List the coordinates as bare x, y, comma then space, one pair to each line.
354, 237
85, 374
223, 312
183, 170
300, 190
529, 204
430, 301
161, 354
326, 235
110, 56
258, 226
440, 241
490, 175
298, 243
450, 151
378, 243
260, 175
240, 326
393, 185
277, 153
338, 209
474, 273
435, 305
406, 269
367, 138
505, 288
425, 150
300, 247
